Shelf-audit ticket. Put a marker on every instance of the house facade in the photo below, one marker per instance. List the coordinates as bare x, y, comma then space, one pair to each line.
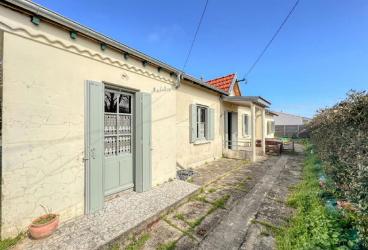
84, 117
289, 125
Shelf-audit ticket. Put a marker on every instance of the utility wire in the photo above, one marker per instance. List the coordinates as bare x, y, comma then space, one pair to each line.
273, 38
195, 37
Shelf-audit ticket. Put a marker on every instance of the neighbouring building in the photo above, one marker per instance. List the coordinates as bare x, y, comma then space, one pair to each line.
289, 125
84, 116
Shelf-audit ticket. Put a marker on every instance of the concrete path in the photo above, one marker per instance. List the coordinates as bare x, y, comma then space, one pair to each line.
231, 231
238, 206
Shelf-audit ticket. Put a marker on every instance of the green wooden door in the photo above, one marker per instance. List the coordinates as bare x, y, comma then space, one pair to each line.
118, 140
94, 146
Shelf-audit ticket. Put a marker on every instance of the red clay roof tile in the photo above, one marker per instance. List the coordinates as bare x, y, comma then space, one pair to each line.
223, 83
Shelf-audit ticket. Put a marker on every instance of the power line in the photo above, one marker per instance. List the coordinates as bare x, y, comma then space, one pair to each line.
195, 36
273, 38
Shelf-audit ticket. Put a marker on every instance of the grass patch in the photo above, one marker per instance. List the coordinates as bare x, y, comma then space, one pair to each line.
185, 232
138, 243
167, 246
7, 243
241, 186
220, 203
115, 247
179, 216
265, 233
197, 222
314, 225
200, 198
190, 180
211, 190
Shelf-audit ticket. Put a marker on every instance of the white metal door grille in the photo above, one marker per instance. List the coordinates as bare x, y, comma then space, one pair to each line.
117, 122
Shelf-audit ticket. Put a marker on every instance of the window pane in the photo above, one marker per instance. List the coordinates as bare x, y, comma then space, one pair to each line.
246, 122
125, 104
203, 115
110, 101
124, 144
110, 124
124, 124
110, 145
201, 122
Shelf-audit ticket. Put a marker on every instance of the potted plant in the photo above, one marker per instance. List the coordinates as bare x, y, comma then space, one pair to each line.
44, 225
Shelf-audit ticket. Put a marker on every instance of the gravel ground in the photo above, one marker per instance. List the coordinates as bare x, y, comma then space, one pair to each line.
119, 216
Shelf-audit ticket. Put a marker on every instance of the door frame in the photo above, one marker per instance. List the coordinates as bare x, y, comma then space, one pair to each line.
231, 129
117, 89
86, 157
87, 183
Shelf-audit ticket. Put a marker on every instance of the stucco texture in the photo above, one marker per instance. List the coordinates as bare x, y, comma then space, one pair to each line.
44, 118
191, 154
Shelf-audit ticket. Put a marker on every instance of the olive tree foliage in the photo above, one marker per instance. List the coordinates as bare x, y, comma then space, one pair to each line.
340, 134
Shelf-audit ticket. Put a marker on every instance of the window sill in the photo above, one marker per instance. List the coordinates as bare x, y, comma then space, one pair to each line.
201, 141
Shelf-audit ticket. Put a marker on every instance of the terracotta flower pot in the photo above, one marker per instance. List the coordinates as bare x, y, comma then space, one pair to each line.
44, 226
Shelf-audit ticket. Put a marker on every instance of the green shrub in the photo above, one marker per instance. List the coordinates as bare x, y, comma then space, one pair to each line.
340, 134
315, 226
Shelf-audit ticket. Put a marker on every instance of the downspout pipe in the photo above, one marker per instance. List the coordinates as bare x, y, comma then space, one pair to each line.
179, 77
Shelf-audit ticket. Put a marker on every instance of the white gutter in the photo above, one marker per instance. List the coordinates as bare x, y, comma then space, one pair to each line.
53, 16
38, 10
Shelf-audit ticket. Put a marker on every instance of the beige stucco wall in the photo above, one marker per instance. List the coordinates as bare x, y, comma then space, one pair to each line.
244, 110
269, 118
191, 154
43, 117
259, 127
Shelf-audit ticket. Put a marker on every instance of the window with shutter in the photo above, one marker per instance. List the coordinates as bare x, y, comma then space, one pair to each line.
202, 123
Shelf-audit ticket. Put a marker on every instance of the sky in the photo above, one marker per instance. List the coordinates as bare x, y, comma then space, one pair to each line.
320, 54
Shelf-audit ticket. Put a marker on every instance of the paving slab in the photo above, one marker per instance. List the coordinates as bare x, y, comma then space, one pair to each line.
274, 212
258, 238
231, 231
161, 234
120, 216
193, 210
185, 243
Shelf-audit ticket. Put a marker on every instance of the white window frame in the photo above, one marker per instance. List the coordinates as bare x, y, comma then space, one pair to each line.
270, 127
199, 134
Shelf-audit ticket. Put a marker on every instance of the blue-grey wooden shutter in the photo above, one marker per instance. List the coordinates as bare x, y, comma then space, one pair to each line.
211, 124
193, 123
95, 145
143, 171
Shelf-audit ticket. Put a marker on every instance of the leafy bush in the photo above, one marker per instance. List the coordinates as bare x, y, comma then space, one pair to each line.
340, 134
315, 226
